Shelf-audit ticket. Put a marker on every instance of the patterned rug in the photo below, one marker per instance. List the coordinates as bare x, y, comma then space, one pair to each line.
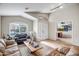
24, 50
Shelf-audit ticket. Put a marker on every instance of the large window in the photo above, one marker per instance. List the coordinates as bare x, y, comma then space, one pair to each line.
17, 28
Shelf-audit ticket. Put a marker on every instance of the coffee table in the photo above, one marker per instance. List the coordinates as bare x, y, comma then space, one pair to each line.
32, 49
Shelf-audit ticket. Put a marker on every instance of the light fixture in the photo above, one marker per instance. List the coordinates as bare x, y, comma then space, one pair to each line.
26, 8
61, 7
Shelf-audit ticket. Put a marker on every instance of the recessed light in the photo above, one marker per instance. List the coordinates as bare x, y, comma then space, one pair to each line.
61, 7
26, 8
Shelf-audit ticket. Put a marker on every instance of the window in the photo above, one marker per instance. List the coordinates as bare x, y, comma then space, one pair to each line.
64, 29
17, 28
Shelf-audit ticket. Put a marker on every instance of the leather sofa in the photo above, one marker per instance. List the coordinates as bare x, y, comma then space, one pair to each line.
9, 48
19, 38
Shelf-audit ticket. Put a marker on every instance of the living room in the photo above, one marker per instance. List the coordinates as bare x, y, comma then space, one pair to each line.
32, 31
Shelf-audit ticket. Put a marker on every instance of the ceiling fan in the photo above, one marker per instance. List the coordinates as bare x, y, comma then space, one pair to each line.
34, 11
58, 6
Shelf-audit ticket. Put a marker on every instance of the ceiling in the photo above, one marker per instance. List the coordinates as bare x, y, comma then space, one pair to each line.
23, 9
28, 7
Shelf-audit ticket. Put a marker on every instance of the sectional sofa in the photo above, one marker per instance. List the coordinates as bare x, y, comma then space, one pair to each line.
9, 48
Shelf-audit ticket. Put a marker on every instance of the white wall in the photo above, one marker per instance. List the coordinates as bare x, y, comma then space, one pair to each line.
0, 26
69, 12
35, 27
6, 20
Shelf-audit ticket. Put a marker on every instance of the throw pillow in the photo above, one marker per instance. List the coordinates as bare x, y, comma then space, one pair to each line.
10, 42
3, 42
2, 48
1, 54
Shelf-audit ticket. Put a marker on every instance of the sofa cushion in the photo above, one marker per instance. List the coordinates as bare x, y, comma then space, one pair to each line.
1, 54
2, 48
3, 42
11, 50
74, 51
10, 42
9, 46
64, 50
17, 53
